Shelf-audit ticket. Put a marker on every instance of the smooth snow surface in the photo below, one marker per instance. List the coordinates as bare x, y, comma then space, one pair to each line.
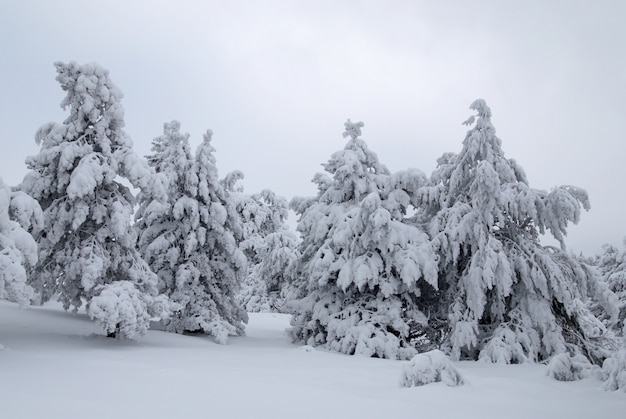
56, 364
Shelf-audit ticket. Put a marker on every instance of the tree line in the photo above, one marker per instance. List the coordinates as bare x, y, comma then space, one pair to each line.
384, 264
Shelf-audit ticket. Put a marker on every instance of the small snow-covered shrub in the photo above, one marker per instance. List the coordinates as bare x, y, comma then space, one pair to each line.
430, 367
509, 347
614, 370
121, 310
563, 367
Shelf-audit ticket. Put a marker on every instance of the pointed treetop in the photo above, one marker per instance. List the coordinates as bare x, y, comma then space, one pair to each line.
353, 129
208, 136
171, 128
480, 106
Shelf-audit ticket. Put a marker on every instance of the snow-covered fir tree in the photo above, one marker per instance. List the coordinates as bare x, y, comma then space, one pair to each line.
87, 251
191, 241
270, 247
19, 216
612, 266
362, 267
506, 297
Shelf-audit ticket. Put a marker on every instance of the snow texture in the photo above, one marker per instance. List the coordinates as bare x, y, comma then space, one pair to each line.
430, 367
58, 360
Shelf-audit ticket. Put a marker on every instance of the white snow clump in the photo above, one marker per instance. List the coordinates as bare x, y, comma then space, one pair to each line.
563, 367
430, 367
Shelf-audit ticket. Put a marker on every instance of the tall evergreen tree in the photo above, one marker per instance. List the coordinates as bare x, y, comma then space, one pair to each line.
87, 248
161, 235
362, 266
191, 241
270, 247
506, 297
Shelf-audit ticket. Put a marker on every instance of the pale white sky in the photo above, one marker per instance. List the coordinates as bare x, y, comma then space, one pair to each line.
275, 80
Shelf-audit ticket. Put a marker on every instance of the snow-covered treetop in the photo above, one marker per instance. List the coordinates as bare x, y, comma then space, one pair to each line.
356, 168
90, 147
361, 206
353, 129
481, 108
91, 98
171, 156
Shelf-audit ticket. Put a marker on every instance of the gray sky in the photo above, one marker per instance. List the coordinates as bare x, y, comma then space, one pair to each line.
275, 80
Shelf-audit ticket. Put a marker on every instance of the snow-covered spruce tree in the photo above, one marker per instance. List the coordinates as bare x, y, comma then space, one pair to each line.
269, 245
612, 266
19, 215
87, 247
191, 241
614, 368
507, 298
362, 267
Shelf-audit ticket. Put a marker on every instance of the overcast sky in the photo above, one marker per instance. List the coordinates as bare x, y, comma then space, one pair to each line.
275, 81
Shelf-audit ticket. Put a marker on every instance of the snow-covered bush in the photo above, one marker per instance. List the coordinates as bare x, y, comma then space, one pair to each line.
430, 367
614, 371
506, 297
564, 367
191, 239
612, 266
120, 309
362, 267
87, 241
614, 368
508, 346
18, 250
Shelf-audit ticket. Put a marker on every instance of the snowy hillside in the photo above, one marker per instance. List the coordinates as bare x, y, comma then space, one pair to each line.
55, 364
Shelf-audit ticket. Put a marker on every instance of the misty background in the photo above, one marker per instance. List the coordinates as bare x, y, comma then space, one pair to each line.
276, 80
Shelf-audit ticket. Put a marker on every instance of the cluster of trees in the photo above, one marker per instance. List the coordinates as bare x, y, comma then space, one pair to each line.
393, 264
387, 264
179, 249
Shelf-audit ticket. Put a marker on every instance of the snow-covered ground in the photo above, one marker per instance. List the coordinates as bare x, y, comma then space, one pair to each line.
59, 365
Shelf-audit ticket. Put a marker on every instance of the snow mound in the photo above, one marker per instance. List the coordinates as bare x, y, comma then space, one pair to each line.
306, 348
430, 367
563, 367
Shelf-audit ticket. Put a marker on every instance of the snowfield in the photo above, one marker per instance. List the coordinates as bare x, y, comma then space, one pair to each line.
55, 364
